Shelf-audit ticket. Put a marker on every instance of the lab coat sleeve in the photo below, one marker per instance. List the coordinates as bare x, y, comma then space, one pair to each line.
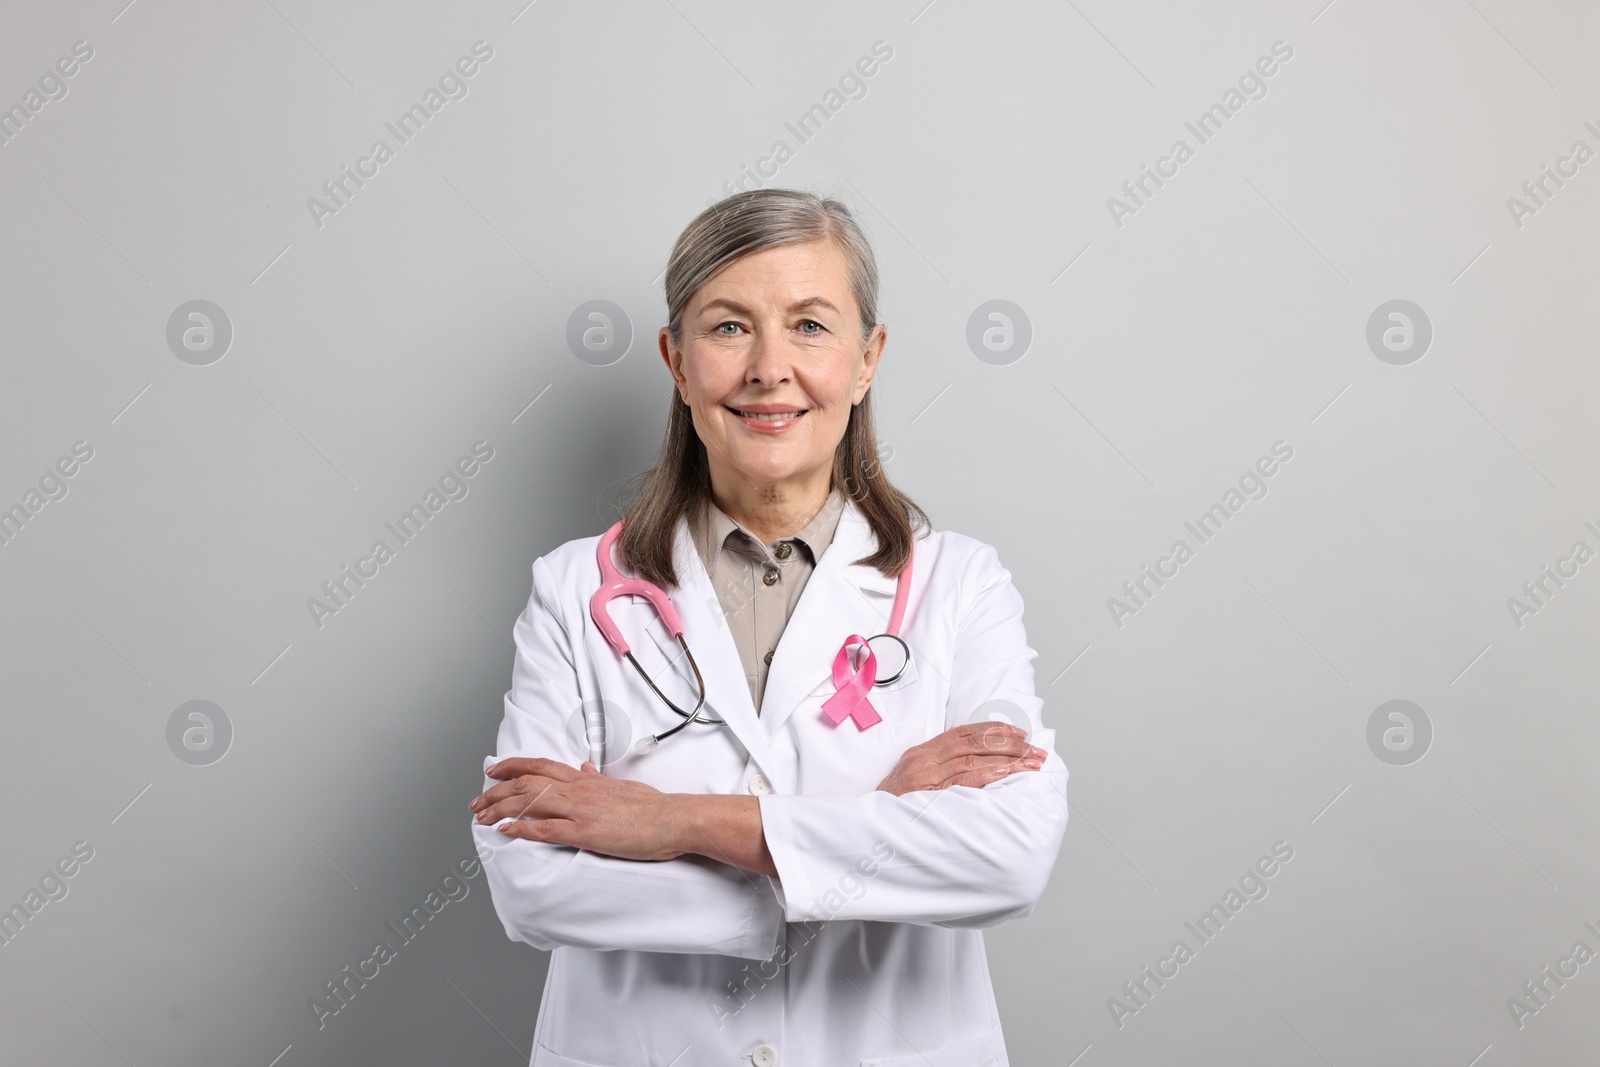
956, 857
548, 894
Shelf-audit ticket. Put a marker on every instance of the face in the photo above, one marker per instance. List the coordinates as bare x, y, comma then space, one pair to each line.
773, 334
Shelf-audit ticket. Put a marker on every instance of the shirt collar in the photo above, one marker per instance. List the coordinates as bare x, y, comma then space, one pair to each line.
716, 530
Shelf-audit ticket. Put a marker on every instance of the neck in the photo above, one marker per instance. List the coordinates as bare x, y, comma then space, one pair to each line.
771, 511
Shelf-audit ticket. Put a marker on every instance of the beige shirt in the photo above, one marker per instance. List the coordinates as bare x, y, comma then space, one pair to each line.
758, 585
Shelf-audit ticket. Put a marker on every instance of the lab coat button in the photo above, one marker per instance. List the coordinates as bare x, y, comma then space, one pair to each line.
770, 576
763, 1056
760, 786
783, 550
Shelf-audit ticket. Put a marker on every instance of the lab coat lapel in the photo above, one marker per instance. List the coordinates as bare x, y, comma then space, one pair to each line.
705, 628
840, 598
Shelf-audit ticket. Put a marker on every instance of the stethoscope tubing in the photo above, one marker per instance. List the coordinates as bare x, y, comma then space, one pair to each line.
613, 585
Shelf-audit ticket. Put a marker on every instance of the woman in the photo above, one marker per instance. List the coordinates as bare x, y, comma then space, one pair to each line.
805, 883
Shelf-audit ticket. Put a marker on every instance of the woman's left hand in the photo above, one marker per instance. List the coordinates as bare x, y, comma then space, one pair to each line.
549, 801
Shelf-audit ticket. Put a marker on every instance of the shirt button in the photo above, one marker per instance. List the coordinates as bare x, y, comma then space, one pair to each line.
767, 659
761, 787
783, 550
771, 576
763, 1056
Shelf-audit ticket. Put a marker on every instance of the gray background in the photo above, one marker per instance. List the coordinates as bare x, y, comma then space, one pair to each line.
1167, 355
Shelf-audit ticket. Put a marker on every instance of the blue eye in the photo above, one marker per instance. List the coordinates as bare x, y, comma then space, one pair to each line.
815, 323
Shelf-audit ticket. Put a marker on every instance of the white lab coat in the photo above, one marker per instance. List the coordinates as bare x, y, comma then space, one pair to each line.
867, 948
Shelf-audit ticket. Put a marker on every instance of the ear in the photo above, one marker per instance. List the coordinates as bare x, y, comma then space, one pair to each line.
672, 358
869, 358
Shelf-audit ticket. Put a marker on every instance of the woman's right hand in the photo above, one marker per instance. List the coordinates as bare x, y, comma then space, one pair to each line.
973, 754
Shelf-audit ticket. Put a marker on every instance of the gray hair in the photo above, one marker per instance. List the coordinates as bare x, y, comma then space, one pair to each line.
679, 484
759, 219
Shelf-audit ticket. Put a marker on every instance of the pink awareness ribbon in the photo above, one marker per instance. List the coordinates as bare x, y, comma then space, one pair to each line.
852, 686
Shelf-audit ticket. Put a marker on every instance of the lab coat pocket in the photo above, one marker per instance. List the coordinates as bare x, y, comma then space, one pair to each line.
980, 1051
545, 1056
903, 703
895, 702
847, 758
906, 677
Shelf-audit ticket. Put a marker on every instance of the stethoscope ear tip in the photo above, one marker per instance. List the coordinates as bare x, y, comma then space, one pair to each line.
643, 745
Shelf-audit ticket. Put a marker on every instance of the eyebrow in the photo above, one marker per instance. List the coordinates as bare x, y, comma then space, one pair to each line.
735, 306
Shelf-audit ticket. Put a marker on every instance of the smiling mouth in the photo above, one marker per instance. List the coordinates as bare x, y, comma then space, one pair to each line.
767, 416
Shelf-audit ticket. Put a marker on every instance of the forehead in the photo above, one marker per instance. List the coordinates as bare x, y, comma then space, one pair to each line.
784, 275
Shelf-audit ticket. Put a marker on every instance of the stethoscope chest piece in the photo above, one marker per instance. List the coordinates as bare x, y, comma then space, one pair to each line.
893, 656
889, 652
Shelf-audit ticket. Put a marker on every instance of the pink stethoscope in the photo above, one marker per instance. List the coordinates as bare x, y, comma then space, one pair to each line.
851, 684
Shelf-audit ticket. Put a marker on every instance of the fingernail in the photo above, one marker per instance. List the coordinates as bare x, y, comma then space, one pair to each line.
1033, 764
1039, 753
490, 769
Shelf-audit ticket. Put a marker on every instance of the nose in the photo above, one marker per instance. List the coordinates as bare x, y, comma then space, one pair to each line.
767, 360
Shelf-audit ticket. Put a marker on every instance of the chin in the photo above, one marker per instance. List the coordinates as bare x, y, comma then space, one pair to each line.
773, 467
752, 468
